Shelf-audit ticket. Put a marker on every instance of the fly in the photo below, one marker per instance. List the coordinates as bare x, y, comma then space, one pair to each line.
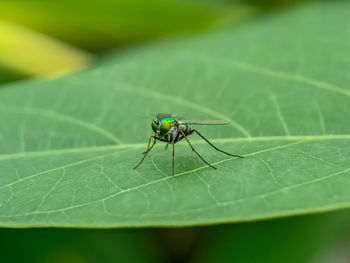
171, 129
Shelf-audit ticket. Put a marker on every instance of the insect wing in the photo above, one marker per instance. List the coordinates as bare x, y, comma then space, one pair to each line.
163, 115
208, 122
160, 116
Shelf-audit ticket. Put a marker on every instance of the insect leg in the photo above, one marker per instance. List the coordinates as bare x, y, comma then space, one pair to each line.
173, 165
149, 142
212, 145
183, 134
148, 150
173, 143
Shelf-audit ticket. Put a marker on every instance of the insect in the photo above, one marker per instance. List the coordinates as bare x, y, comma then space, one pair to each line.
171, 129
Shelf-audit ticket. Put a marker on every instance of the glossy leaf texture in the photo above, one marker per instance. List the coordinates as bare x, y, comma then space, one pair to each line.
68, 145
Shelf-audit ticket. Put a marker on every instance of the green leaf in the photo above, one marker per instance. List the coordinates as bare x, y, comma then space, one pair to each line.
68, 145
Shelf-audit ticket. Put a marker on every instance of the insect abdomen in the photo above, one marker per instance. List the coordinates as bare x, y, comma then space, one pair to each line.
186, 128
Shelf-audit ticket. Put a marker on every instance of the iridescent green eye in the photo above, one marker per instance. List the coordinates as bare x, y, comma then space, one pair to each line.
155, 125
165, 127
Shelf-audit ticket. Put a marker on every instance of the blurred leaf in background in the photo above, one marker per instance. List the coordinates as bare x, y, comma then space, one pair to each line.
302, 239
45, 38
40, 38
34, 54
7, 75
79, 246
96, 25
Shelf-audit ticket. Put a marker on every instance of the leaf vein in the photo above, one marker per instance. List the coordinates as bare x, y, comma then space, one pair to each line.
140, 145
66, 118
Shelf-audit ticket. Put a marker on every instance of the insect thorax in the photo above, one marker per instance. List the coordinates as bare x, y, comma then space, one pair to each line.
174, 133
168, 129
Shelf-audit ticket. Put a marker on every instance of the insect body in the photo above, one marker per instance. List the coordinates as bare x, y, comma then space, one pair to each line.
170, 129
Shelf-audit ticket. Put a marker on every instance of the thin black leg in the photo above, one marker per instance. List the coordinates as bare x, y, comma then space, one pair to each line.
173, 143
148, 150
183, 134
212, 145
173, 165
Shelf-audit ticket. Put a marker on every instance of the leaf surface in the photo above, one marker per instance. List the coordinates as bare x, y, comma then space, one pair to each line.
68, 145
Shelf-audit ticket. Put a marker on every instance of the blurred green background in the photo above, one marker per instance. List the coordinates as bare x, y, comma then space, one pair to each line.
40, 39
45, 38
315, 239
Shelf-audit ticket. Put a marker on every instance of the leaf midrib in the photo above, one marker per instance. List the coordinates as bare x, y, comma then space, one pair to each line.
64, 117
194, 142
